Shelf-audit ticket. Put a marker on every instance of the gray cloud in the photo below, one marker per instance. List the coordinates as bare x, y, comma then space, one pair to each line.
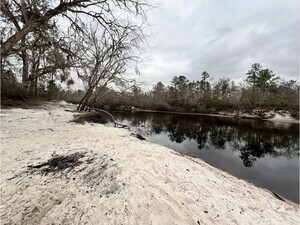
223, 37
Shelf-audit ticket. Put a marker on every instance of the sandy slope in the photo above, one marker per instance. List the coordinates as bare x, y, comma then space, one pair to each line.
122, 180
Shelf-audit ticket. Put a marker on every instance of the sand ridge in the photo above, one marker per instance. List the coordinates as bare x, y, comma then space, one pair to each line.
120, 180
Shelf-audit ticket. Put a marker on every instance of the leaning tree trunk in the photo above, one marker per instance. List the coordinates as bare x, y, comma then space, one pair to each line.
84, 101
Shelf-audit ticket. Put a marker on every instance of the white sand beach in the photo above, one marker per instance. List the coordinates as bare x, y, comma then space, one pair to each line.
119, 180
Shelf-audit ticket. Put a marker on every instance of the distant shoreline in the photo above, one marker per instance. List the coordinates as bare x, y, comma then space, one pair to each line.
222, 114
288, 119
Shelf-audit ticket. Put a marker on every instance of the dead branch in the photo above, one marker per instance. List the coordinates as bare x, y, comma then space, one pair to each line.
119, 125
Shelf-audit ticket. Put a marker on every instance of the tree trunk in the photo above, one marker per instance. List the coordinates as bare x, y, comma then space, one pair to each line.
35, 92
32, 91
252, 97
84, 101
24, 55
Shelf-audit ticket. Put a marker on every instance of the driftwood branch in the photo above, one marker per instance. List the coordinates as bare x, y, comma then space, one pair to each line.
110, 115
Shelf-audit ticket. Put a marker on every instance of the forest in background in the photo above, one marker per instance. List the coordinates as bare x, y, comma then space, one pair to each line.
261, 90
100, 47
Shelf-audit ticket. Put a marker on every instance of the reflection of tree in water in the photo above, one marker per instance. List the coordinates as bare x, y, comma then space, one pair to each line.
217, 137
201, 137
253, 142
177, 134
177, 130
253, 139
255, 145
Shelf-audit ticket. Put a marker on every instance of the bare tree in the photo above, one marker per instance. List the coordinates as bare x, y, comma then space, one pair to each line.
105, 59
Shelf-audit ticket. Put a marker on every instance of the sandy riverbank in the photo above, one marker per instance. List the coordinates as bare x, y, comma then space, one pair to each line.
120, 180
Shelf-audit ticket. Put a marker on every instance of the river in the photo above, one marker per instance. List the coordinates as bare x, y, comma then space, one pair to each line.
263, 152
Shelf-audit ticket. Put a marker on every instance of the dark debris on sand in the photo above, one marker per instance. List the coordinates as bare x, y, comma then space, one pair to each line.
90, 117
59, 163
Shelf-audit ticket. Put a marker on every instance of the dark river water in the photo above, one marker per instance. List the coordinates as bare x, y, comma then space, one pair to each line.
262, 152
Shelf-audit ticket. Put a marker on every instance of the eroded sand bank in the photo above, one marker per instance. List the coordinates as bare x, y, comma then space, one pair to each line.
120, 179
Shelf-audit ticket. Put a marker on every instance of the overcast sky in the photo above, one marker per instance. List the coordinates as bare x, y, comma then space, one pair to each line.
223, 37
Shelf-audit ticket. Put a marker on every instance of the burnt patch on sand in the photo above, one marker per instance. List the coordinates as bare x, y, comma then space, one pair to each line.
90, 171
59, 163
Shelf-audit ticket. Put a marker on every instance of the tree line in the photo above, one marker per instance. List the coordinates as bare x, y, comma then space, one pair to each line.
261, 89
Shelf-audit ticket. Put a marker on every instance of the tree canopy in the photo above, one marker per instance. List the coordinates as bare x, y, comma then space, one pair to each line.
45, 41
